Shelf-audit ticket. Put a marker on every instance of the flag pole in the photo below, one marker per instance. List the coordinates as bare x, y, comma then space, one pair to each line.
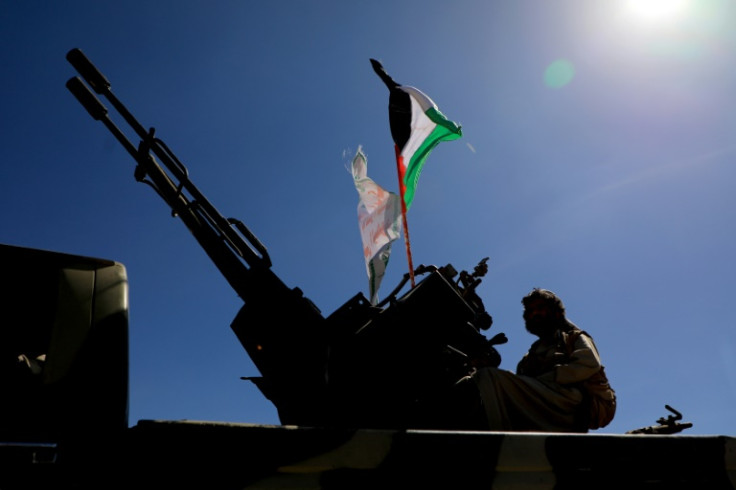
402, 188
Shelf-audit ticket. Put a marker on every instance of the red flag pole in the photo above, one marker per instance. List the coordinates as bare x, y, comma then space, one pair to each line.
402, 188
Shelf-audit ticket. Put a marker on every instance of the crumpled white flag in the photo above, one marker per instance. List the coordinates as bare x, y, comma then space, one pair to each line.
379, 218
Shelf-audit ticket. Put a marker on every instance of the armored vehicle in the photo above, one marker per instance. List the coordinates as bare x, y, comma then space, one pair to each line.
347, 420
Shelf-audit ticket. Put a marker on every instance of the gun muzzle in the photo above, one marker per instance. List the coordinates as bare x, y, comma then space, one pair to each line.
91, 74
87, 98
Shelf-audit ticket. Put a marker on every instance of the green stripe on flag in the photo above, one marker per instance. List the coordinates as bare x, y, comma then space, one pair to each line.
445, 130
439, 119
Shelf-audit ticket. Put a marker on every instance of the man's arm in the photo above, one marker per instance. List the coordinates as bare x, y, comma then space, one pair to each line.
584, 362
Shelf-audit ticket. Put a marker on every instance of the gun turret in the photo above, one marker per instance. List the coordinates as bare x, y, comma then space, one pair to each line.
340, 370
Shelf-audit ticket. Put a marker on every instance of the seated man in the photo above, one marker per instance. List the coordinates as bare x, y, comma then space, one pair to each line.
549, 390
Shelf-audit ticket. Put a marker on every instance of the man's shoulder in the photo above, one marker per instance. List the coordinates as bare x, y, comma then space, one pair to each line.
574, 331
574, 334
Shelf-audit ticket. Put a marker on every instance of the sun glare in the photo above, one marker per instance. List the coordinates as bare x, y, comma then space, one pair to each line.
657, 10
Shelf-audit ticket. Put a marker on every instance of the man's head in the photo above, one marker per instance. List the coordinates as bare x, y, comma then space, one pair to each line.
543, 312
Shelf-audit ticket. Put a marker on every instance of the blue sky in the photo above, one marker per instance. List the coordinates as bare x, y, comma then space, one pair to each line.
611, 185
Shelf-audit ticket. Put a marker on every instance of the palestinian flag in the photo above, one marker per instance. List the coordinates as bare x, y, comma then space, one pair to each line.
417, 126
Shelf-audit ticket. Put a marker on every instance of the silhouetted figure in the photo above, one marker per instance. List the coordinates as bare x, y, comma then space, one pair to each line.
551, 390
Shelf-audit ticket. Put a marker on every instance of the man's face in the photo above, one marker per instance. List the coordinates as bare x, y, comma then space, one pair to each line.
537, 316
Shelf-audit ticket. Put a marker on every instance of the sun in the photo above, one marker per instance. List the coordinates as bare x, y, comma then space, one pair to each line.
657, 10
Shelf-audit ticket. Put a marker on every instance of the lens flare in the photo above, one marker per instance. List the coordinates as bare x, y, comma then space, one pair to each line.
559, 73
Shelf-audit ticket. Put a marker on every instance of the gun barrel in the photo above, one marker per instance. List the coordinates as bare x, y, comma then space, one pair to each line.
228, 242
86, 98
84, 66
281, 330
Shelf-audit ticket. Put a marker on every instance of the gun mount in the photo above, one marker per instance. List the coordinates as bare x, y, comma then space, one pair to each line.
348, 369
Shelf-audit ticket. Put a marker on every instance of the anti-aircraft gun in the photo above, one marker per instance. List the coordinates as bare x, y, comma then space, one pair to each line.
64, 370
350, 368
